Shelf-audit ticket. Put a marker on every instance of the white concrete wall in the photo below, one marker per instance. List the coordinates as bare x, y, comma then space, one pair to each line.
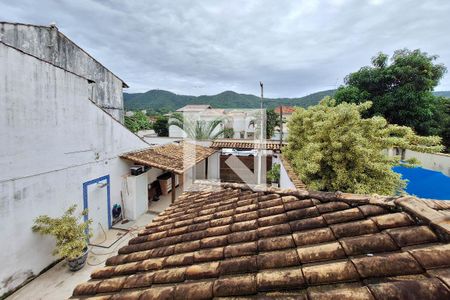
432, 161
200, 170
214, 166
436, 162
49, 44
136, 196
285, 181
53, 140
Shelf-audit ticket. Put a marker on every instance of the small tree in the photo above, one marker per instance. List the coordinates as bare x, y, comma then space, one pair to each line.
139, 121
161, 126
198, 129
71, 235
332, 147
272, 120
274, 173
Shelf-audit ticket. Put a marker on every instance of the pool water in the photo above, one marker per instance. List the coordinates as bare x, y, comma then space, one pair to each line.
425, 183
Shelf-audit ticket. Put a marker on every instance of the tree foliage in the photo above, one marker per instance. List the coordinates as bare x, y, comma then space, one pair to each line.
70, 234
161, 126
401, 91
138, 121
198, 129
272, 120
332, 147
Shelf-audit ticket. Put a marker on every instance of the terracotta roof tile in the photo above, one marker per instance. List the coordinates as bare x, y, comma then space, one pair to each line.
385, 265
246, 144
320, 252
171, 157
282, 244
370, 243
335, 272
315, 236
235, 286
424, 289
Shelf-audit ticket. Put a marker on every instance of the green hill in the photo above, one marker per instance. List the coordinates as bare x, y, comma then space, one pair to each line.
442, 93
160, 100
164, 101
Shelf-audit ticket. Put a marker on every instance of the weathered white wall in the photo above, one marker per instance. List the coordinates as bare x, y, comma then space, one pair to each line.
53, 140
49, 44
285, 181
214, 166
432, 161
136, 196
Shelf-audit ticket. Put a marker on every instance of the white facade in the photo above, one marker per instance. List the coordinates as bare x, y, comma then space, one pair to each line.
238, 120
55, 144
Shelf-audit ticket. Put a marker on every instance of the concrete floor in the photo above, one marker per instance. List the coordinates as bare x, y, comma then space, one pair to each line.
58, 282
164, 201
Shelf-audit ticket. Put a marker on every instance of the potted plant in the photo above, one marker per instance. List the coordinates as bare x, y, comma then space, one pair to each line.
274, 174
71, 236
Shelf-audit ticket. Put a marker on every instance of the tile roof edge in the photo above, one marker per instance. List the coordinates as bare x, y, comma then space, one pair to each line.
424, 212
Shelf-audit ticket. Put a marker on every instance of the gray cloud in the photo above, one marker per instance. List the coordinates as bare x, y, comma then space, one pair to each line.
205, 47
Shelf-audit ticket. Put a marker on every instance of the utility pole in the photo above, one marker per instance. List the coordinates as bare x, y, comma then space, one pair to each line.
281, 126
260, 135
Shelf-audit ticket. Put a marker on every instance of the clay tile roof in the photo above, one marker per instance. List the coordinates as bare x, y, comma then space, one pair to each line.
287, 110
227, 240
246, 144
176, 158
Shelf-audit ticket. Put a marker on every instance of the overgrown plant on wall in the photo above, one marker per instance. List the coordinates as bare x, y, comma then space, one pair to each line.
332, 147
70, 233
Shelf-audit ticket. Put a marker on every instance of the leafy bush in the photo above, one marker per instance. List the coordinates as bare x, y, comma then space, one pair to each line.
138, 121
70, 234
161, 126
274, 173
332, 147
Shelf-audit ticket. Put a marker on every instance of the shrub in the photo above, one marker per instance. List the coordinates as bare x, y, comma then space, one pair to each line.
332, 147
70, 234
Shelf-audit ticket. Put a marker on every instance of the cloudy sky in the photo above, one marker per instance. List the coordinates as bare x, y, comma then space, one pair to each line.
205, 47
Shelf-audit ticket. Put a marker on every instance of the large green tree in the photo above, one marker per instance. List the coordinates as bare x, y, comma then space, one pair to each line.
332, 147
400, 89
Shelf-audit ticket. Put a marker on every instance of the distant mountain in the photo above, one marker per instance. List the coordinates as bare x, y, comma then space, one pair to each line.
160, 100
164, 101
442, 93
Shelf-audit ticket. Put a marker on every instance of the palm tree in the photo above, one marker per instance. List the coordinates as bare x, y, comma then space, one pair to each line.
198, 129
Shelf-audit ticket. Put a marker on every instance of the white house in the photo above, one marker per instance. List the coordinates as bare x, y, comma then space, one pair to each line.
61, 140
237, 119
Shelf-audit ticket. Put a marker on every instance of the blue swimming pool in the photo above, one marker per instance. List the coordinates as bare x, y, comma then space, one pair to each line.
425, 183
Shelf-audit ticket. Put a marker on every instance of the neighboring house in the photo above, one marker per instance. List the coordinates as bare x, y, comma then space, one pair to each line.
49, 44
173, 164
286, 112
60, 143
238, 120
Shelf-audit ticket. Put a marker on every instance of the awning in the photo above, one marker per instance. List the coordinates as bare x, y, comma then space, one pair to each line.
246, 144
175, 158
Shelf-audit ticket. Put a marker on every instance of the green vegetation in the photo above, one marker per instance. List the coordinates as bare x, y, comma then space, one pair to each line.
272, 120
160, 101
228, 133
70, 234
401, 91
274, 174
198, 129
139, 121
161, 126
332, 147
